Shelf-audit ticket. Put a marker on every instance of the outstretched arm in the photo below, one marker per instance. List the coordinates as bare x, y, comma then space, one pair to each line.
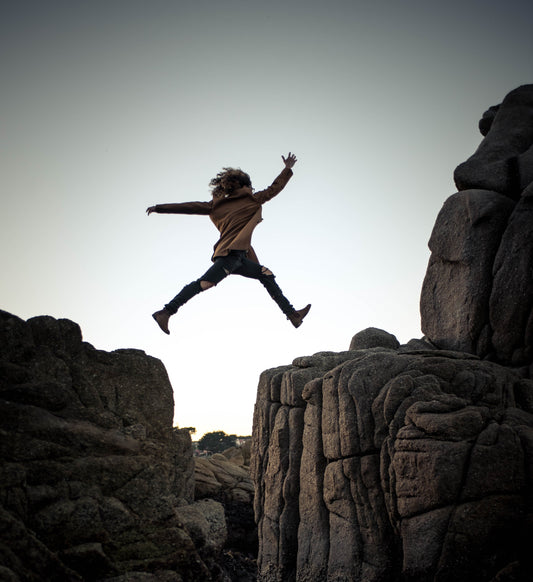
280, 182
181, 208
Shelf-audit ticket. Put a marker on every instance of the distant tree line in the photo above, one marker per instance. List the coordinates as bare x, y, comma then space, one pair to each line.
217, 441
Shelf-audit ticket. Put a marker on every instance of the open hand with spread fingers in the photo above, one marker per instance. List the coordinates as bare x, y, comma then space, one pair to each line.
290, 160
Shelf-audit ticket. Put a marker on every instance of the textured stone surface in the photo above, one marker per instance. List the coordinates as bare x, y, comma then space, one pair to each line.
372, 337
225, 477
455, 296
477, 294
389, 465
220, 478
511, 300
95, 483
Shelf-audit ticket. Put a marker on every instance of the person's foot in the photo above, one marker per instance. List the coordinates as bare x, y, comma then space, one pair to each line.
297, 317
162, 318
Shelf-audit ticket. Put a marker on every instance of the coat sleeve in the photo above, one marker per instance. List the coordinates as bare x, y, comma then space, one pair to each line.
275, 188
184, 208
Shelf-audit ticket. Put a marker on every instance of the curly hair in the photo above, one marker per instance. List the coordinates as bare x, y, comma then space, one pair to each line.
228, 180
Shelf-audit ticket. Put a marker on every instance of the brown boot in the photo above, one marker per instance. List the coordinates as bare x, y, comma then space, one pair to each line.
162, 318
297, 317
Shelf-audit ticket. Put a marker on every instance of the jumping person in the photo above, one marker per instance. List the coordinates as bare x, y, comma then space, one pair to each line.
235, 210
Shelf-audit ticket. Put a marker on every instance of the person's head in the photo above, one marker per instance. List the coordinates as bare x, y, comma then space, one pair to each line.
228, 180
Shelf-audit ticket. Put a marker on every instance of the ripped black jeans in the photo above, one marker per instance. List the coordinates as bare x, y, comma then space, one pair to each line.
236, 263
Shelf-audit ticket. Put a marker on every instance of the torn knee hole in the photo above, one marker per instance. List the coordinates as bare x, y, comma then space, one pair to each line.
226, 271
266, 271
206, 285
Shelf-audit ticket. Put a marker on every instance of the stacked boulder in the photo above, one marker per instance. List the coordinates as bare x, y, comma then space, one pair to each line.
477, 295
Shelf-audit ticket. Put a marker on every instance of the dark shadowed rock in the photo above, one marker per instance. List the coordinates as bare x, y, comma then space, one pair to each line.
511, 300
478, 289
372, 337
503, 161
95, 483
485, 123
225, 477
457, 287
229, 483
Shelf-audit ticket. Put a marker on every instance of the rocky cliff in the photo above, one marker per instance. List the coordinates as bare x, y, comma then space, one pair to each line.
95, 484
415, 462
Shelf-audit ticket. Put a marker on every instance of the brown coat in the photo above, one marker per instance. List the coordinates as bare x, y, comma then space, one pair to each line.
235, 216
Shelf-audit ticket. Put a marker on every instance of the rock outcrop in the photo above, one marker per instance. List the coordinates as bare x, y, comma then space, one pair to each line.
382, 463
95, 484
414, 463
477, 295
385, 464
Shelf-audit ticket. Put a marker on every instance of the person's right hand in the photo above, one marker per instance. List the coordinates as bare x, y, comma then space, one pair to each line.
150, 209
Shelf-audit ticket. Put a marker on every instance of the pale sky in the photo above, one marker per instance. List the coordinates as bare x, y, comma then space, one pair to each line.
108, 107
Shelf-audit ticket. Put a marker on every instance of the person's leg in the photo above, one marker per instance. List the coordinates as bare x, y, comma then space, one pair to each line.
267, 278
219, 270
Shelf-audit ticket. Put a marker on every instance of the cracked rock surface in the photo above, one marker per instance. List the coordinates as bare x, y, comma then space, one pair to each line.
392, 464
95, 484
477, 294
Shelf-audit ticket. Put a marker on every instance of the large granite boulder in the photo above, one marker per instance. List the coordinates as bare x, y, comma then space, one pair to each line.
459, 281
95, 484
477, 294
385, 464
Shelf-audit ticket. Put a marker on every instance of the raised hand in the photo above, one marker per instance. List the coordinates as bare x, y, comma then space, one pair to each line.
290, 160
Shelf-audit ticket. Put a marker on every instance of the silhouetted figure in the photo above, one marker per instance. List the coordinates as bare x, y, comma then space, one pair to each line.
235, 210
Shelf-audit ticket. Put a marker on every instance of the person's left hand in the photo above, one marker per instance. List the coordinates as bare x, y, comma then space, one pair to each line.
290, 160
